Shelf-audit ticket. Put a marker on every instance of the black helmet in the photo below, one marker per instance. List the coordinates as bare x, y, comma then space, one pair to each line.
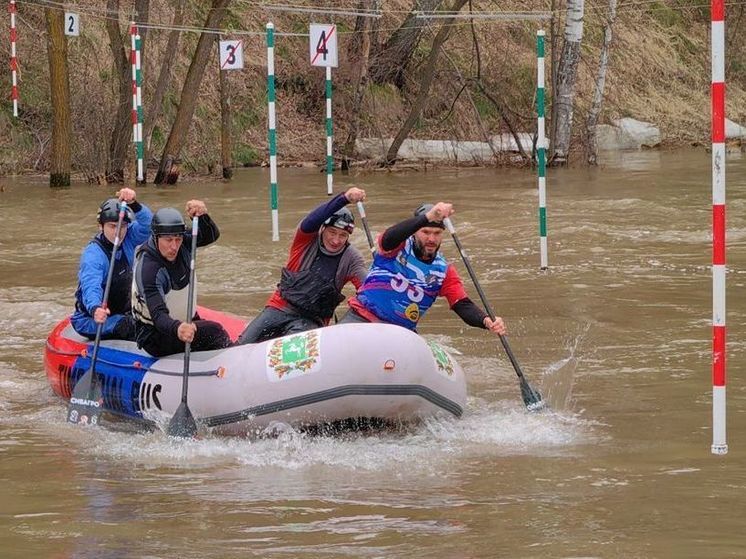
342, 219
422, 210
109, 211
168, 221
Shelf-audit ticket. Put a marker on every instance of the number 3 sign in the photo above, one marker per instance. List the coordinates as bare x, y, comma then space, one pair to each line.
323, 45
231, 55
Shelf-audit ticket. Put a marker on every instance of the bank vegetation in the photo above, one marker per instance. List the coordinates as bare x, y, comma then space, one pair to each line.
401, 75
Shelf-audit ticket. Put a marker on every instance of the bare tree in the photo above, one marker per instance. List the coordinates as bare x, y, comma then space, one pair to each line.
121, 132
566, 76
426, 80
164, 75
59, 83
225, 125
168, 171
389, 65
598, 93
554, 24
362, 85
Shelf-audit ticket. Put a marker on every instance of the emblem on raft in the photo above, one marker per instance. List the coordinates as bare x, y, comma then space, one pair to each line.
442, 359
293, 356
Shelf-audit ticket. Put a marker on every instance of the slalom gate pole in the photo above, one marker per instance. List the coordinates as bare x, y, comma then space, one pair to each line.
719, 444
541, 149
272, 131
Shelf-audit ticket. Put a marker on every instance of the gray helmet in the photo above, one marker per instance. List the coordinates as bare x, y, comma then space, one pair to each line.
108, 211
168, 221
422, 210
343, 219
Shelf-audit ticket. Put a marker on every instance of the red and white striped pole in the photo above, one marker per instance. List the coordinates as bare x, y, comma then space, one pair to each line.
13, 59
719, 444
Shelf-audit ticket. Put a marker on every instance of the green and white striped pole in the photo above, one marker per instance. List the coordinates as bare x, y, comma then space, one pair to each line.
329, 132
138, 84
272, 131
541, 148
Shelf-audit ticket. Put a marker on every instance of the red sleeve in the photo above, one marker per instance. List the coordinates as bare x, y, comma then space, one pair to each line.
301, 241
452, 288
387, 254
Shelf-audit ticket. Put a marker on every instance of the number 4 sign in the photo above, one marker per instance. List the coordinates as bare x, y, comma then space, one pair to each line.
72, 24
231, 55
323, 45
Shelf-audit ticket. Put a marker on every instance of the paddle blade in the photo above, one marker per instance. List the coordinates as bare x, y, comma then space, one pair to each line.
182, 424
531, 397
87, 401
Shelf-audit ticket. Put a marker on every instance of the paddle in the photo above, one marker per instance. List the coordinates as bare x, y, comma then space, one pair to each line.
531, 397
182, 423
361, 211
87, 397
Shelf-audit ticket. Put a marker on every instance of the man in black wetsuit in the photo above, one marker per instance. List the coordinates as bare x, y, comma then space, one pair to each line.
160, 287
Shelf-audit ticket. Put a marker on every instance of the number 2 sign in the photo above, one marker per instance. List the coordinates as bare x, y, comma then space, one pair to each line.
72, 24
323, 45
231, 55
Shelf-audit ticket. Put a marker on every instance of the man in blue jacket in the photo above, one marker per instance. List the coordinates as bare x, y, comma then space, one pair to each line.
94, 267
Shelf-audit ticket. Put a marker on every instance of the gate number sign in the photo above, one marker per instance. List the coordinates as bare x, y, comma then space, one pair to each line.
323, 45
231, 55
72, 24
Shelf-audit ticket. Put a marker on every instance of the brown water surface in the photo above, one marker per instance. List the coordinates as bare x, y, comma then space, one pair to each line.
616, 335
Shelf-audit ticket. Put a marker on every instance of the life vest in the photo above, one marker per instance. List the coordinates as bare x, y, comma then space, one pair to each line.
309, 293
175, 291
312, 290
121, 282
400, 289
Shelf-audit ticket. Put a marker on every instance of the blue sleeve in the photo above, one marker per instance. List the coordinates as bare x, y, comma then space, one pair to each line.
94, 266
314, 220
138, 232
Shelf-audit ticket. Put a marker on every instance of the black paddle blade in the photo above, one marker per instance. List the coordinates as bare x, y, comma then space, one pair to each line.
531, 397
87, 401
182, 424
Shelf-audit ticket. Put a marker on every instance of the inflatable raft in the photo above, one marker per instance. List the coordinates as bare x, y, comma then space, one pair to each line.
341, 372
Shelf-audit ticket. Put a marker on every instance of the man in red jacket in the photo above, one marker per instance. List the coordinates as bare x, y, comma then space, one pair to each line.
321, 263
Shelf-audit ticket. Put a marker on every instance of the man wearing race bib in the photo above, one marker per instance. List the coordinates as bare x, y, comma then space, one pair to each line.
409, 273
160, 287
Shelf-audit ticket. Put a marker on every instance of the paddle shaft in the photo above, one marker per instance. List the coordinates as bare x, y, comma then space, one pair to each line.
105, 300
483, 297
190, 310
364, 219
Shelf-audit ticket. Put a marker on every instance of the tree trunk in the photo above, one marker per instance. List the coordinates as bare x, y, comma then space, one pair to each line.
566, 76
168, 171
226, 148
362, 85
554, 66
164, 76
389, 64
426, 80
59, 169
598, 93
121, 132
